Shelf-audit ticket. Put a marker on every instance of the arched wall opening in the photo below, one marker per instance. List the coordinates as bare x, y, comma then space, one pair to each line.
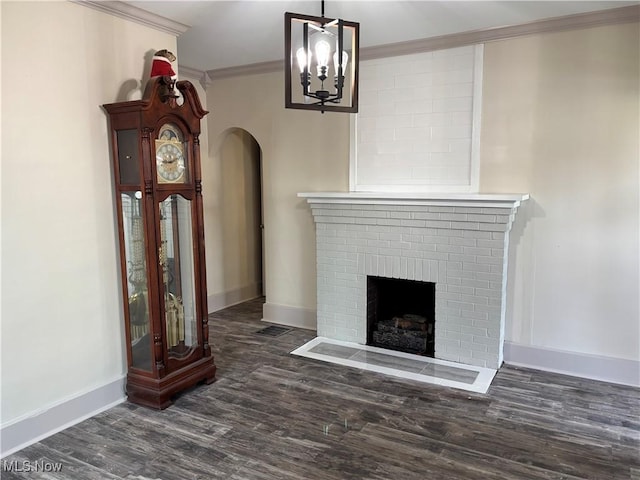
241, 217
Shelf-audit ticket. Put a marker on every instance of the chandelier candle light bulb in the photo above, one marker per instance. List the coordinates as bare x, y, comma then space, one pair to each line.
339, 74
323, 51
303, 59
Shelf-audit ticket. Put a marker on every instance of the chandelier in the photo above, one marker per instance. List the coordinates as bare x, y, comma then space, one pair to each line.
323, 85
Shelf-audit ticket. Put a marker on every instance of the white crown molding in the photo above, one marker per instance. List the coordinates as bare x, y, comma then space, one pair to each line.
548, 25
191, 72
135, 14
251, 69
202, 76
556, 24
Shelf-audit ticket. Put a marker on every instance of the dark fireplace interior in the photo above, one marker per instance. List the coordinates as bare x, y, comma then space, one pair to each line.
401, 315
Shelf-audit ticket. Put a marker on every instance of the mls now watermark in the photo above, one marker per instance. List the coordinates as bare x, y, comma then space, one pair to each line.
29, 466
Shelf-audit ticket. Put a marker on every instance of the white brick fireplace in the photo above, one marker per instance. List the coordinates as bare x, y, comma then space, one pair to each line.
457, 241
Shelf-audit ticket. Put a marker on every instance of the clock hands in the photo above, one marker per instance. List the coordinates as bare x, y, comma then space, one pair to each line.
168, 158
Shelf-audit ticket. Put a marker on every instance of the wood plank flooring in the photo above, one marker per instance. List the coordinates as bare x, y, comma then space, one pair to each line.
273, 416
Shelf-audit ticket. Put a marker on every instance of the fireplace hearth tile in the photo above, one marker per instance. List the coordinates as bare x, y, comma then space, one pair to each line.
332, 350
399, 364
450, 373
385, 360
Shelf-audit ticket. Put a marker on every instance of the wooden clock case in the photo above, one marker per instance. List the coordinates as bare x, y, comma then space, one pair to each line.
161, 241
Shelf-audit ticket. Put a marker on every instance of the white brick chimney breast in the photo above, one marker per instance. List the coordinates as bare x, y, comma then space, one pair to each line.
457, 241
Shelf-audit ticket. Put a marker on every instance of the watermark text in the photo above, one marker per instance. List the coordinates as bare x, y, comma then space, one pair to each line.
30, 466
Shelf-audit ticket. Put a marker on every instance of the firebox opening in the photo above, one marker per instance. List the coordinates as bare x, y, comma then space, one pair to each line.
401, 315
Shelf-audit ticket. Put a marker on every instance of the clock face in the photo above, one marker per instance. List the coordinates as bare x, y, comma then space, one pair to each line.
170, 162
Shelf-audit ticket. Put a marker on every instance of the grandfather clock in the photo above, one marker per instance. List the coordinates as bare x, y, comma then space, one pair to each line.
156, 162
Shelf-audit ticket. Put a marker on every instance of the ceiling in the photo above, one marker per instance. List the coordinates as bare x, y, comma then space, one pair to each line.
234, 33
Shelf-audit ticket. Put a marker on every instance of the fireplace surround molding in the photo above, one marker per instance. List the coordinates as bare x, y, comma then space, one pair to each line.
459, 241
500, 200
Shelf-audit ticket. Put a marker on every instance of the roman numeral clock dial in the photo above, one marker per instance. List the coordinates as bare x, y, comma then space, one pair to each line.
170, 161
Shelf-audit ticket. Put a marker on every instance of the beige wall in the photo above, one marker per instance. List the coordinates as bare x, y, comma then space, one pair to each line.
560, 121
62, 331
301, 151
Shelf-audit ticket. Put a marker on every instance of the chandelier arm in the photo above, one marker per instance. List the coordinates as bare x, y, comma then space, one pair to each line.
331, 97
319, 29
340, 73
305, 45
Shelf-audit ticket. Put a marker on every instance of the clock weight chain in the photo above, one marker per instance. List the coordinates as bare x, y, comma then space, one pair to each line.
137, 276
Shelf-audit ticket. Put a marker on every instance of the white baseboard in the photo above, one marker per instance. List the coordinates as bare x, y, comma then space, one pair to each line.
596, 367
291, 316
35, 426
218, 301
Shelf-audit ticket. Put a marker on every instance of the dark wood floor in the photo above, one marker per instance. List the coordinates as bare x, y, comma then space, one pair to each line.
274, 416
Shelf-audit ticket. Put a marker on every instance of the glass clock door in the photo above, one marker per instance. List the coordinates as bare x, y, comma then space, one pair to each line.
137, 288
178, 275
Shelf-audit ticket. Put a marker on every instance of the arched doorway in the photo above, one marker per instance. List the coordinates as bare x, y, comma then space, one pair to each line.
242, 213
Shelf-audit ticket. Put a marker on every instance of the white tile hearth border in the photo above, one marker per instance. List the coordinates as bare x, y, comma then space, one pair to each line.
406, 362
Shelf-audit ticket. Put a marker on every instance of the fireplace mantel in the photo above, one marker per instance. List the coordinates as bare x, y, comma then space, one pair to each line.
489, 200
